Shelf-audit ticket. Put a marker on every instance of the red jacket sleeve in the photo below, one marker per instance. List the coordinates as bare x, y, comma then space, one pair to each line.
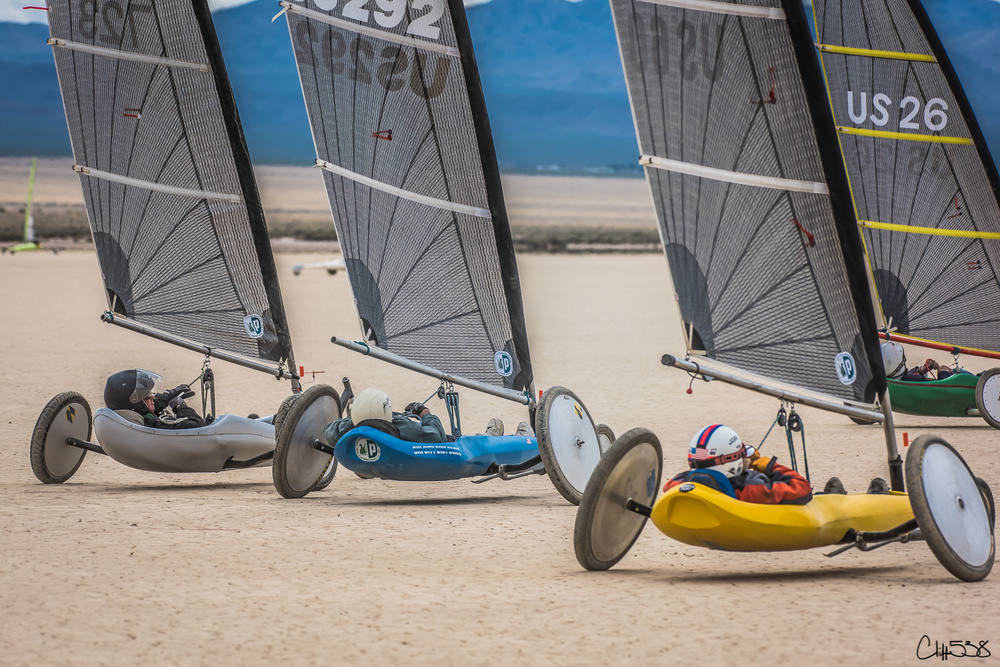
782, 486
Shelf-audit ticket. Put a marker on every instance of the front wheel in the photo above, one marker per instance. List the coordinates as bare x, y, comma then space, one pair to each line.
567, 442
950, 508
66, 416
988, 397
605, 528
299, 468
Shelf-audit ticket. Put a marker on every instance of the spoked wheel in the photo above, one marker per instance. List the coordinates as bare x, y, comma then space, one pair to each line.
567, 441
66, 416
299, 468
605, 528
988, 397
950, 508
605, 437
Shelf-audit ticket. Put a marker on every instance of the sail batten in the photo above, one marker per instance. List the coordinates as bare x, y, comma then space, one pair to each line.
126, 55
719, 7
872, 53
156, 187
405, 194
728, 176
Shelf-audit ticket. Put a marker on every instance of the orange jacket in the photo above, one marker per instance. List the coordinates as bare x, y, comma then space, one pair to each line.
766, 483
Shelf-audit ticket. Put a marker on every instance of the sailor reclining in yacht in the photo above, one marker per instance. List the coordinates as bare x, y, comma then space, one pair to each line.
132, 390
372, 407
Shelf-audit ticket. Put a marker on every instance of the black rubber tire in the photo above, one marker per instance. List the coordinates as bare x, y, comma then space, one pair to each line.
991, 419
52, 410
987, 493
605, 437
279, 416
929, 528
544, 438
869, 398
283, 483
596, 501
332, 272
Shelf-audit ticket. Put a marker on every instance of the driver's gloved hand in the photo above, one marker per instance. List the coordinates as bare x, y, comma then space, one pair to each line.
178, 401
177, 391
414, 408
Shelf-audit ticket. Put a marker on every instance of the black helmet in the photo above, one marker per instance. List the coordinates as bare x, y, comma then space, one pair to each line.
126, 390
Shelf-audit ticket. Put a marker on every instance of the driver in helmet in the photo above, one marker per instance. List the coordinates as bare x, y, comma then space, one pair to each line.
894, 359
718, 458
372, 407
134, 390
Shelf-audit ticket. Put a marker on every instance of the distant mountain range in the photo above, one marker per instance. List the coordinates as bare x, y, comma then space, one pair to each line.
550, 70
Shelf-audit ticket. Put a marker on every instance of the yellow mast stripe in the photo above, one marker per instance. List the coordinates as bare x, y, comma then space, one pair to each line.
933, 231
905, 136
892, 55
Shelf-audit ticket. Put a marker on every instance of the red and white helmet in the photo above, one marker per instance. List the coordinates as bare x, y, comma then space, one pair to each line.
718, 447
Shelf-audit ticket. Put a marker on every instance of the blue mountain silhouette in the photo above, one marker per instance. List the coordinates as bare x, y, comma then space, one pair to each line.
550, 71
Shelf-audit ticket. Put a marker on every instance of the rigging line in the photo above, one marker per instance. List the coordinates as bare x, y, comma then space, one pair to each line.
405, 194
905, 136
414, 42
872, 53
187, 271
727, 176
127, 55
718, 7
147, 185
443, 320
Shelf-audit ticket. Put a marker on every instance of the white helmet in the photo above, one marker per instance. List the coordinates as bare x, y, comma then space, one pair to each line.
371, 404
894, 359
719, 448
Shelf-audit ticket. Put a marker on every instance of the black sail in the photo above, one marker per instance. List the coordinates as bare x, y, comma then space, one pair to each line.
736, 140
399, 122
923, 181
170, 193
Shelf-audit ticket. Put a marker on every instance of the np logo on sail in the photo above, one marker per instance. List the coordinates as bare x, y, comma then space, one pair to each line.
503, 363
847, 370
254, 325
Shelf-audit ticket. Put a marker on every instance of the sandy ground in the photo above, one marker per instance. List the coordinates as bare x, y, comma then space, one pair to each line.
119, 566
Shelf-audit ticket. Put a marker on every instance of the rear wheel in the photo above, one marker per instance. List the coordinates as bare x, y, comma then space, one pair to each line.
950, 508
567, 441
630, 470
299, 468
988, 397
66, 416
279, 416
605, 437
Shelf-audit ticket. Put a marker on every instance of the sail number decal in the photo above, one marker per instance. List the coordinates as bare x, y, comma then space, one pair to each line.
102, 21
391, 67
700, 48
390, 13
934, 116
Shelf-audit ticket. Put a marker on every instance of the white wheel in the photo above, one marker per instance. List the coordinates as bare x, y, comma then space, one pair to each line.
300, 468
567, 442
630, 470
66, 416
988, 397
949, 508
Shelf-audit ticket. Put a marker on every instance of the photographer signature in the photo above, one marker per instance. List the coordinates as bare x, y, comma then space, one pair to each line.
953, 649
